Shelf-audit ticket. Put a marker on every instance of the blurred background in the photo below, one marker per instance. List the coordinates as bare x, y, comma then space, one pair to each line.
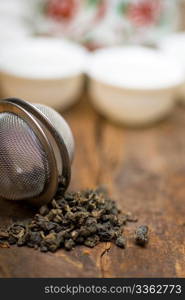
92, 24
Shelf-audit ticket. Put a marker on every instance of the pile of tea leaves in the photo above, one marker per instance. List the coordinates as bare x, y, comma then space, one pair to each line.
76, 218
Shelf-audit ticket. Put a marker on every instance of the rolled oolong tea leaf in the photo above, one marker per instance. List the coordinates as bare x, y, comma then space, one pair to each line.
141, 235
85, 218
121, 242
92, 241
69, 244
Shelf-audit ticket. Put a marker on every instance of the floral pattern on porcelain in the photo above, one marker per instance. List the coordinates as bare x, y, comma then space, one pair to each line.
98, 23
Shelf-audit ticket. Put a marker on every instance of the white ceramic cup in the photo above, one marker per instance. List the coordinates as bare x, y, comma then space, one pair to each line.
174, 46
42, 70
133, 85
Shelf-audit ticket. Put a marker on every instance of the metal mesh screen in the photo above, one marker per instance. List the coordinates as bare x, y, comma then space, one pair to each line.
60, 126
23, 162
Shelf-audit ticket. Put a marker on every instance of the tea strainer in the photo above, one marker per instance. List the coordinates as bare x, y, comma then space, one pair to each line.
36, 151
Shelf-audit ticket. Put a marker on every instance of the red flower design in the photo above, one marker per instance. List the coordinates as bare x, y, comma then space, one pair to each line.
145, 12
102, 8
61, 9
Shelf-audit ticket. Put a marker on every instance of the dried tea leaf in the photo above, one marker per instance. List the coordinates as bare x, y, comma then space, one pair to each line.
77, 218
141, 235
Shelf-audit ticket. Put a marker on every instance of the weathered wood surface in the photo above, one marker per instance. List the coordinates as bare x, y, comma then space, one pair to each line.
144, 170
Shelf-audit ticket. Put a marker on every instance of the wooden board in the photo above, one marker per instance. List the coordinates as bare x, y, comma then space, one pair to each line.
144, 170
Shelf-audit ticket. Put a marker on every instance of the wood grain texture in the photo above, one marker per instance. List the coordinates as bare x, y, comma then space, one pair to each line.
144, 170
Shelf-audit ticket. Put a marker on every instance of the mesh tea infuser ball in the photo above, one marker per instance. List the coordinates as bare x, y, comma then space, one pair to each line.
36, 151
